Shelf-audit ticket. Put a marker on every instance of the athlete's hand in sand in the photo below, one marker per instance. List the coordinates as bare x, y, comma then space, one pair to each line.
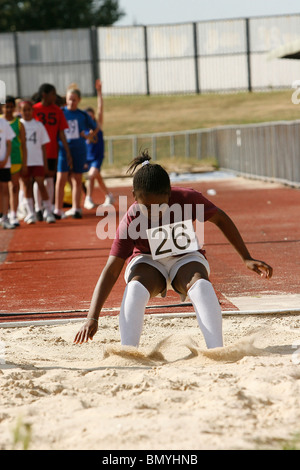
261, 268
86, 332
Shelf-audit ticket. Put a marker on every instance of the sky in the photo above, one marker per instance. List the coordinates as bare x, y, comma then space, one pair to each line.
148, 12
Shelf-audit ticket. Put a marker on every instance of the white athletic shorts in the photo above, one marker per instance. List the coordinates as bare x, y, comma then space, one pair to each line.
168, 266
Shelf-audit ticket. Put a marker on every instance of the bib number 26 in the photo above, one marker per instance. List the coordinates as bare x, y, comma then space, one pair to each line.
173, 239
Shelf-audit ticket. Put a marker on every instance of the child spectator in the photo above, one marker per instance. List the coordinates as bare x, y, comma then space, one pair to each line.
78, 122
36, 140
18, 157
51, 116
6, 136
95, 154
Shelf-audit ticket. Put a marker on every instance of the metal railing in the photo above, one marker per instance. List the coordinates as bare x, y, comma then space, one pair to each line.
268, 150
198, 143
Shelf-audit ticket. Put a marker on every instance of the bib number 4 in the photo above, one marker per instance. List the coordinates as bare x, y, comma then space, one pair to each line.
174, 239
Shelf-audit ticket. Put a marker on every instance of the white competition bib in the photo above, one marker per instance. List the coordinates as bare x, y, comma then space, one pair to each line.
178, 238
73, 131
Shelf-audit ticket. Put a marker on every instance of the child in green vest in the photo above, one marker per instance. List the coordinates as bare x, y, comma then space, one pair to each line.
18, 156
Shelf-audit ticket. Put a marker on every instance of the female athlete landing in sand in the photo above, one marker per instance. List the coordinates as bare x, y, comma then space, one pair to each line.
145, 275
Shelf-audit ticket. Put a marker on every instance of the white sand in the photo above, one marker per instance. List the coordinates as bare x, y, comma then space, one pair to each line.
170, 394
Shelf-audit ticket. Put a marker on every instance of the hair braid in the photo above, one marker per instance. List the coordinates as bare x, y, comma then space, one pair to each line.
150, 178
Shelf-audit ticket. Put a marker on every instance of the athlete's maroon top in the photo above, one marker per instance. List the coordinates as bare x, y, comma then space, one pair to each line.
125, 247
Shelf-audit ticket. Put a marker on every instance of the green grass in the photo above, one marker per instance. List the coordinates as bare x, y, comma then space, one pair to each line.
150, 114
292, 444
127, 115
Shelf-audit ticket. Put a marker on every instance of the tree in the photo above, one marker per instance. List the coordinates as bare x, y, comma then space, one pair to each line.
36, 15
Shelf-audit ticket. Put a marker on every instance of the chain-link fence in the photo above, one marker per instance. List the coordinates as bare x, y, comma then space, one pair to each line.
207, 56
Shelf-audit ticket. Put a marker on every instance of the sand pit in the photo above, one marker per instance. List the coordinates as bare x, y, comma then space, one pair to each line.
171, 393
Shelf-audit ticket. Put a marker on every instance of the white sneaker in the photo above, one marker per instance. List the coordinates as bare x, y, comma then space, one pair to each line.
30, 219
59, 214
21, 212
49, 217
6, 224
14, 221
73, 212
109, 200
69, 212
88, 203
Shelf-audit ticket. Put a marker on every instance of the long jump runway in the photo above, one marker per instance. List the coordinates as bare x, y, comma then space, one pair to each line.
48, 272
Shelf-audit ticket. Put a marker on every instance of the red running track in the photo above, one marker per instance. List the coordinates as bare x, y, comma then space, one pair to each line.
54, 268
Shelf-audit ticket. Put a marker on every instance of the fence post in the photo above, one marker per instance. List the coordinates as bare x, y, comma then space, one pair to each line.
154, 156
110, 152
134, 146
196, 58
187, 145
247, 21
198, 146
172, 146
17, 63
146, 60
94, 55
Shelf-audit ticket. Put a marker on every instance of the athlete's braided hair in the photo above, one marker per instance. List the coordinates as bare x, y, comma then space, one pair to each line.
150, 178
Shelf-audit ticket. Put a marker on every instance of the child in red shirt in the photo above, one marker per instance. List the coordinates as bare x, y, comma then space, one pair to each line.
52, 116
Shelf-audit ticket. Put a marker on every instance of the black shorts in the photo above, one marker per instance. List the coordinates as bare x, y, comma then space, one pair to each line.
52, 164
5, 175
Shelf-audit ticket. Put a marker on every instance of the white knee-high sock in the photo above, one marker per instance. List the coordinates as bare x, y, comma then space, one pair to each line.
208, 312
28, 203
131, 318
37, 197
21, 197
49, 183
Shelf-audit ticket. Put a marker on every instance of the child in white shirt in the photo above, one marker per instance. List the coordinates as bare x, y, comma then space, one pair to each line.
36, 139
6, 136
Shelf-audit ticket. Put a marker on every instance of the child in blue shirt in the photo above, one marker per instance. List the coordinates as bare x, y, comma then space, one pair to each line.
95, 154
78, 122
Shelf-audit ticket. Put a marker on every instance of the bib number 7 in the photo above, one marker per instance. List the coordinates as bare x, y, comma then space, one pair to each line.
174, 239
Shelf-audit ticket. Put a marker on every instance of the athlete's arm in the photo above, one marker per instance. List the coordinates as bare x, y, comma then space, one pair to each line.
8, 152
23, 147
230, 231
91, 135
102, 290
98, 86
44, 152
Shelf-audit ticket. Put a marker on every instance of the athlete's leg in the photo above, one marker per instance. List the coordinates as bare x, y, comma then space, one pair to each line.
91, 181
28, 199
42, 188
14, 191
50, 178
50, 187
76, 179
101, 183
61, 180
192, 279
144, 282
